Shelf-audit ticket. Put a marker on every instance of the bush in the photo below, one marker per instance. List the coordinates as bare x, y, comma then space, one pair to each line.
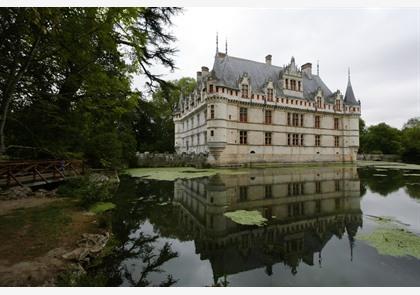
87, 191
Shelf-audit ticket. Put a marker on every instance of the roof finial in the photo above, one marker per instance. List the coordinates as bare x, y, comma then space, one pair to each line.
349, 73
226, 46
217, 42
317, 67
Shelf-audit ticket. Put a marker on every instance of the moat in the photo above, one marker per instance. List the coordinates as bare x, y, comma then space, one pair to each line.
318, 230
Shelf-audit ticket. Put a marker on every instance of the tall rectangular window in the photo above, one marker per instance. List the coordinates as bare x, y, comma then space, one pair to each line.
301, 139
337, 185
270, 94
318, 187
288, 139
268, 192
336, 122
268, 117
301, 120
288, 119
243, 114
243, 137
211, 89
317, 122
268, 138
295, 119
317, 140
336, 141
212, 111
243, 193
318, 102
245, 90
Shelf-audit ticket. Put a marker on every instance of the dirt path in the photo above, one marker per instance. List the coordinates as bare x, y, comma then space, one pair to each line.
35, 233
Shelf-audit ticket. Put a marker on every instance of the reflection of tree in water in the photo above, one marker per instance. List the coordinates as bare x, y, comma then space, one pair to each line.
135, 203
382, 185
413, 190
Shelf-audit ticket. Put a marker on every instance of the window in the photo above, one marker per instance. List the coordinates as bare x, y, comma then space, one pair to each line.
337, 105
212, 111
301, 139
242, 137
267, 117
268, 192
337, 185
243, 114
270, 94
288, 139
317, 122
287, 83
317, 140
301, 120
211, 89
295, 189
318, 102
295, 139
245, 90
268, 138
243, 193
318, 187
295, 119
335, 123
336, 141
288, 119
299, 86
211, 132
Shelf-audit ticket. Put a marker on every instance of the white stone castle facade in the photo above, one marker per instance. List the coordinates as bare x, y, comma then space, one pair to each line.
244, 111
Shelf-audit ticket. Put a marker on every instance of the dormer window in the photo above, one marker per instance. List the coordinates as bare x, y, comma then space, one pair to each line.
337, 105
318, 102
244, 90
270, 94
287, 83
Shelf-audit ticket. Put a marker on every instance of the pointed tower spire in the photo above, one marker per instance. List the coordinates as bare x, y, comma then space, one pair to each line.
226, 46
349, 97
217, 42
317, 67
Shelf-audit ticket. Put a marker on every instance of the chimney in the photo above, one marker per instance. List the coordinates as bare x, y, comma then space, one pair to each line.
307, 68
205, 71
198, 76
268, 59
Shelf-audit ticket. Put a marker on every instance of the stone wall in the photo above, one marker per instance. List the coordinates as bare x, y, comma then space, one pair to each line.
147, 159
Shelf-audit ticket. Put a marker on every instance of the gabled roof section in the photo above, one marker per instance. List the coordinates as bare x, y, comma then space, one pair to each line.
349, 97
228, 70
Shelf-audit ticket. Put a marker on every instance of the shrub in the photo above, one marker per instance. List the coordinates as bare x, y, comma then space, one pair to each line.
87, 191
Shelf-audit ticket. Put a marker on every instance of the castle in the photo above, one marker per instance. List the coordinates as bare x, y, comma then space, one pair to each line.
244, 111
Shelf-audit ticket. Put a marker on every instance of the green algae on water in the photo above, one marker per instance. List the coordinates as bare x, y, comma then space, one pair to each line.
393, 241
246, 217
172, 173
101, 207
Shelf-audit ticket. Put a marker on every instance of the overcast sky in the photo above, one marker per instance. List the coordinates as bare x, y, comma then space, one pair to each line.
381, 47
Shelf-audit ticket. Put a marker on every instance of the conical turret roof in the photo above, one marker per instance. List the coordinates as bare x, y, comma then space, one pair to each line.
349, 97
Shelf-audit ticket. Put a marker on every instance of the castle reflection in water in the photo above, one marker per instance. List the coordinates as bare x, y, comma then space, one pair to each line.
305, 208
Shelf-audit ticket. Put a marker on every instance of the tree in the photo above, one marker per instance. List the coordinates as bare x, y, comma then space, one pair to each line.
153, 122
382, 138
411, 141
73, 94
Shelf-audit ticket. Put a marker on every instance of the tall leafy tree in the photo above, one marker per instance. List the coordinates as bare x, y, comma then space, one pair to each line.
73, 95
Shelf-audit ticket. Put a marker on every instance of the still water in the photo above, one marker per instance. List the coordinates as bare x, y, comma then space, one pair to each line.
175, 232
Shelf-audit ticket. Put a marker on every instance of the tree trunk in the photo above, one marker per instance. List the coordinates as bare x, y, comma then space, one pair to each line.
9, 91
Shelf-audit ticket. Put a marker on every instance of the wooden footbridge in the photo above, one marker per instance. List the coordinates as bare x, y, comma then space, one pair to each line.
32, 173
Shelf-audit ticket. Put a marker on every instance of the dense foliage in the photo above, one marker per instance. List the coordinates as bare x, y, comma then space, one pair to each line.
384, 139
65, 79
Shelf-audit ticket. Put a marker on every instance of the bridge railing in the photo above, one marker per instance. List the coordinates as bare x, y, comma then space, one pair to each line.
32, 171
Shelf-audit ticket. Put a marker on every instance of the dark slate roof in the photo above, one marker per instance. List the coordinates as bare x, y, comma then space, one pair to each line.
228, 70
349, 97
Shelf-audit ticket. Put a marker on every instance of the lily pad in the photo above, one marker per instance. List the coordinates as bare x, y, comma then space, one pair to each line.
393, 241
101, 207
246, 217
171, 174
